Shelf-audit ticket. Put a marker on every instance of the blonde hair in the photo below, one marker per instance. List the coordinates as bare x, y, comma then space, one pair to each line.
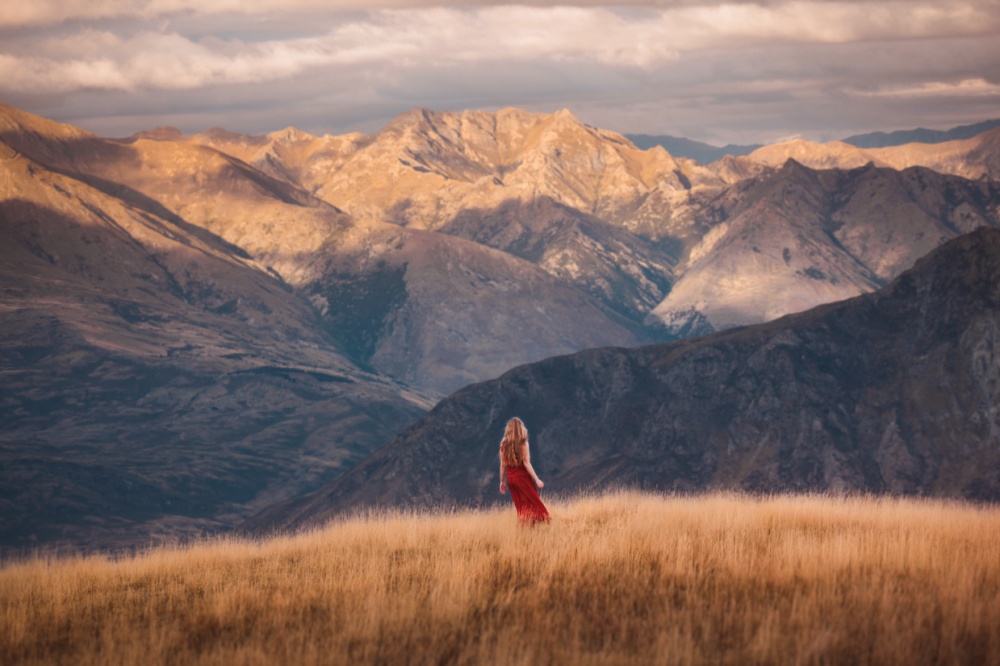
515, 439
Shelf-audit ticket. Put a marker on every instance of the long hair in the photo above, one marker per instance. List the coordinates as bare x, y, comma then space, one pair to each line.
515, 439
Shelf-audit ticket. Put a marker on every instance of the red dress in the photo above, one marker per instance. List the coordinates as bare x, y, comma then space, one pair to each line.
525, 495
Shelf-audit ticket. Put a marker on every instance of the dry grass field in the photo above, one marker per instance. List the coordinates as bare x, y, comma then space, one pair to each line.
618, 579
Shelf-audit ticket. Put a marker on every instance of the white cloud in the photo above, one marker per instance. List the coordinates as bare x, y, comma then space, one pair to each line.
834, 22
163, 59
47, 12
150, 60
168, 60
977, 87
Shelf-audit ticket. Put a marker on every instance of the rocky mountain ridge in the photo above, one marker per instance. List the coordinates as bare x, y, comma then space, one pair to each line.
920, 135
637, 230
705, 153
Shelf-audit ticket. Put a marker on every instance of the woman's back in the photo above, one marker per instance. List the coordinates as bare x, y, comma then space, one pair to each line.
515, 467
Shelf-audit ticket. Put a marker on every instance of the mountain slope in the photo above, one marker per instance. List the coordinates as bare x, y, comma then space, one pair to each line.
628, 273
975, 158
155, 381
439, 312
832, 155
895, 391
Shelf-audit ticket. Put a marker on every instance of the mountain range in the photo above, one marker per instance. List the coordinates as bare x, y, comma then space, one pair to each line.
894, 391
640, 231
920, 135
706, 153
197, 327
974, 158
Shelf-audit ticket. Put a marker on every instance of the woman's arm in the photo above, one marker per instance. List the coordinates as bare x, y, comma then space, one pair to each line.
531, 470
503, 482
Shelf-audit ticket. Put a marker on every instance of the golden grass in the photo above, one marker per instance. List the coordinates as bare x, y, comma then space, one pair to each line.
619, 579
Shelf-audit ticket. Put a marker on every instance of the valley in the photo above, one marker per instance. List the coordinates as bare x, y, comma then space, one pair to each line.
210, 330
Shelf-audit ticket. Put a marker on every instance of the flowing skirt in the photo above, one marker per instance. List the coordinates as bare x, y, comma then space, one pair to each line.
530, 509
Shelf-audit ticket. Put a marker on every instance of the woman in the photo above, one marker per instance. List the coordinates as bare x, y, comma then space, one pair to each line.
515, 463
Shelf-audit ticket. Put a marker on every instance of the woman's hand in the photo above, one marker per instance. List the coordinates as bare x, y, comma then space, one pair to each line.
503, 487
538, 482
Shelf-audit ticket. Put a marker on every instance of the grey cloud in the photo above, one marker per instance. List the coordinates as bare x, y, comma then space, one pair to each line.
51, 12
754, 72
166, 58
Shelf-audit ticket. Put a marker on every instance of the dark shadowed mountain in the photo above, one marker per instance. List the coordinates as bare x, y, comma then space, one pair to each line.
704, 153
892, 392
920, 135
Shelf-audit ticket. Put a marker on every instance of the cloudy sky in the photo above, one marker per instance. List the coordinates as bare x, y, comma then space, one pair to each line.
735, 71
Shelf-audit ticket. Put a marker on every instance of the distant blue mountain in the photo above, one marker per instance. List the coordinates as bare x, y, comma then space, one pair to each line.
920, 135
680, 147
706, 153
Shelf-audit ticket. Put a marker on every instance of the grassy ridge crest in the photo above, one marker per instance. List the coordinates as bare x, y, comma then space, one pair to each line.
619, 578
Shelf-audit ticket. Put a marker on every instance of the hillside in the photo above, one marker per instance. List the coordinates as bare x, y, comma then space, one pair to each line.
625, 578
894, 391
156, 379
